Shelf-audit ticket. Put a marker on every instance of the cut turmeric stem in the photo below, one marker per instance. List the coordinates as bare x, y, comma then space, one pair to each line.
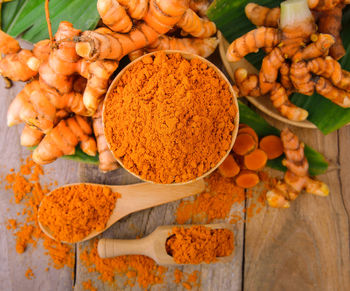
247, 179
229, 167
244, 144
272, 146
256, 160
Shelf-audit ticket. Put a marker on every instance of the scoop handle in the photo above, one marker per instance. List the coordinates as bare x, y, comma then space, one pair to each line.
109, 248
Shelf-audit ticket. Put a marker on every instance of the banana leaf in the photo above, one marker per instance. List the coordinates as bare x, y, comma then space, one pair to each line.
317, 163
27, 17
230, 18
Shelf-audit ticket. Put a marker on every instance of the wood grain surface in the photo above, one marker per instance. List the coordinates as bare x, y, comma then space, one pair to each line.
305, 247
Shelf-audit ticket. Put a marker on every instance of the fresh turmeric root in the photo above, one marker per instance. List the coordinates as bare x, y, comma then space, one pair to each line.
63, 139
296, 178
30, 136
200, 46
106, 158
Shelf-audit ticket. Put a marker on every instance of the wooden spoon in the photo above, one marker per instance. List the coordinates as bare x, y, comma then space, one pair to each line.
137, 197
152, 246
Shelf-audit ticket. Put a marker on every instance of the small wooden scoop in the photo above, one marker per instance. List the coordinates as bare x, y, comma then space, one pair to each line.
137, 197
152, 246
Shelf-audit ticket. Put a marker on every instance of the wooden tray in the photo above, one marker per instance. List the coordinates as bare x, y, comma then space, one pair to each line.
262, 103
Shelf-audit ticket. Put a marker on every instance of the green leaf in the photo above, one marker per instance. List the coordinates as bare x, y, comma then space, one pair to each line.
79, 156
317, 163
28, 17
230, 18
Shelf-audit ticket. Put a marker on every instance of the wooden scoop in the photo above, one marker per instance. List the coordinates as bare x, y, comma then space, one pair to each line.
152, 246
137, 197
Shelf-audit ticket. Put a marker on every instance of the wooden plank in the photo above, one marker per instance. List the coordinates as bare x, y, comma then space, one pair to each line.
305, 247
13, 266
212, 277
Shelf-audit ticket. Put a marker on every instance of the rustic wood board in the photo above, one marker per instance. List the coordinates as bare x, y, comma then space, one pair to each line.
212, 277
13, 266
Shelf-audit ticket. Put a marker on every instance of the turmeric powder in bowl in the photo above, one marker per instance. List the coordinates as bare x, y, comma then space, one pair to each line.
170, 119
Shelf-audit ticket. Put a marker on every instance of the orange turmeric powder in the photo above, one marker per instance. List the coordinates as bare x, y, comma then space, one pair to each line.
72, 212
169, 119
27, 190
29, 274
198, 244
140, 268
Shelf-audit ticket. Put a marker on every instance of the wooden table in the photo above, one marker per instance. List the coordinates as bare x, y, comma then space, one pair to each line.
305, 247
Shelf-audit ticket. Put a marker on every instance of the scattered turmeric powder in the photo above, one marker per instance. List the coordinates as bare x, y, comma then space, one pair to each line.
215, 203
27, 190
198, 244
11, 224
72, 212
87, 285
140, 268
29, 274
169, 119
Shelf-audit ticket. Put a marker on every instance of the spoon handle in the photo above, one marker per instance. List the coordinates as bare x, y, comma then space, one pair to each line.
108, 248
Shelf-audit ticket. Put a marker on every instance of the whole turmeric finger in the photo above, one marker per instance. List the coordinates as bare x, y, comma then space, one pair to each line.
272, 146
319, 47
8, 45
30, 136
21, 66
248, 85
198, 27
200, 46
229, 167
301, 78
285, 76
137, 9
330, 22
330, 69
336, 95
244, 144
256, 160
261, 15
280, 101
262, 37
269, 70
107, 162
247, 179
114, 15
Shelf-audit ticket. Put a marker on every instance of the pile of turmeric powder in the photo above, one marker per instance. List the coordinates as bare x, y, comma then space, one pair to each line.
198, 243
28, 191
169, 119
72, 212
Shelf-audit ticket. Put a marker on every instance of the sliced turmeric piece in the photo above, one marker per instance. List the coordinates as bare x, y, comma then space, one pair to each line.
256, 160
244, 144
247, 179
249, 130
229, 167
272, 146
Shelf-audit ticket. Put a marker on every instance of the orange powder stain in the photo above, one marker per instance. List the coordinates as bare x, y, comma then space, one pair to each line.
29, 274
11, 224
136, 267
88, 285
214, 203
28, 191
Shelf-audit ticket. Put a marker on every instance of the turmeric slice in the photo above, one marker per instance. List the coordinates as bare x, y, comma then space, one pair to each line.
244, 144
247, 129
256, 160
229, 167
272, 146
247, 179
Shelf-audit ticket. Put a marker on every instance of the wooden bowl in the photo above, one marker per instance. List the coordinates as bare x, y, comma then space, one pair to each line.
187, 56
262, 103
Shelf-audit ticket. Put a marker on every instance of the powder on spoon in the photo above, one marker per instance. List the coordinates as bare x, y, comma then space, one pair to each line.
72, 212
